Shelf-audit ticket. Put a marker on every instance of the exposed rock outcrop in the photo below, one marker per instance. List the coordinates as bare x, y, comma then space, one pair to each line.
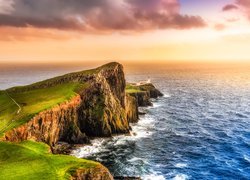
143, 98
102, 111
50, 126
101, 108
98, 110
97, 173
144, 92
131, 108
151, 89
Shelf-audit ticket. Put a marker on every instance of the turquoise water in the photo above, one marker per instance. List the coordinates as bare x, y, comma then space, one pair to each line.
200, 129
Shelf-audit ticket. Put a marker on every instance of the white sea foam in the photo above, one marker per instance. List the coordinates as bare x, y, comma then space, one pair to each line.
181, 165
180, 177
166, 95
153, 177
156, 105
139, 130
143, 128
87, 150
134, 159
247, 158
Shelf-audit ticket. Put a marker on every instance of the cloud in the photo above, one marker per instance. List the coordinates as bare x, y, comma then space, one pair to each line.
6, 6
97, 15
232, 19
34, 34
219, 27
229, 7
245, 4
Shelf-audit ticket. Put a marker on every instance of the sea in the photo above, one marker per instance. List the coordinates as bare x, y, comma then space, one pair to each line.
199, 129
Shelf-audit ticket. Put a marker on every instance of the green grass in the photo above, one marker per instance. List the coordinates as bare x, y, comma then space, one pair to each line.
32, 101
8, 109
40, 96
132, 89
32, 160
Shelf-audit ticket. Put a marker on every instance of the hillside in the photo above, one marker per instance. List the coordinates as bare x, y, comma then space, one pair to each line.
69, 108
18, 107
32, 160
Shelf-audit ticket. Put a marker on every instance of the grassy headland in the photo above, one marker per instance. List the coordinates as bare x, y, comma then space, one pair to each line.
33, 160
132, 89
32, 101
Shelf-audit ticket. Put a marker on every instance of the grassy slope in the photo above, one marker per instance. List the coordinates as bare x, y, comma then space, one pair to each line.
35, 98
132, 89
32, 160
32, 102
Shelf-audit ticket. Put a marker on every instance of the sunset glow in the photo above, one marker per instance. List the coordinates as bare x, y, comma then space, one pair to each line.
124, 30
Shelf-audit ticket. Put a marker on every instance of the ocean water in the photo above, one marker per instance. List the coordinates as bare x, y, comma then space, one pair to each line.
199, 129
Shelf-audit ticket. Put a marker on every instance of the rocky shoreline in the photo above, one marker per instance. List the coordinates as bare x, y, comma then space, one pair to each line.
105, 107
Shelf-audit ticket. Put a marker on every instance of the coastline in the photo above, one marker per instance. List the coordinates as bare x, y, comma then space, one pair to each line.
99, 103
97, 145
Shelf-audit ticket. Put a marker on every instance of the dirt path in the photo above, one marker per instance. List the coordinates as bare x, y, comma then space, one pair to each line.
19, 107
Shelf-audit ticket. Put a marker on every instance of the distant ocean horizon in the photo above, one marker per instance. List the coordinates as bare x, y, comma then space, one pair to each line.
199, 129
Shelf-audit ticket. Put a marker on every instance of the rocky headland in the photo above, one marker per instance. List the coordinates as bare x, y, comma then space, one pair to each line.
104, 106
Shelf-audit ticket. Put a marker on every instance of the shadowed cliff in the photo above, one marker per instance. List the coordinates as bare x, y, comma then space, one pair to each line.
96, 108
72, 108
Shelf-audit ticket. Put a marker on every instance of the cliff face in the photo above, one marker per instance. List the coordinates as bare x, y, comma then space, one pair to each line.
151, 90
101, 108
98, 110
98, 173
144, 93
58, 123
131, 108
102, 111
143, 98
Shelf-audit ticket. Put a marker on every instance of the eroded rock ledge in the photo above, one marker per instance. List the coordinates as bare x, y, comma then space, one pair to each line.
139, 96
97, 173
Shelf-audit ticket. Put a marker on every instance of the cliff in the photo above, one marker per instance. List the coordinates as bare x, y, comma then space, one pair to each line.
72, 108
76, 106
97, 109
139, 96
97, 173
132, 111
50, 126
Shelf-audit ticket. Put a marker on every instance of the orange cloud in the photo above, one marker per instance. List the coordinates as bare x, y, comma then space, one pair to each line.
31, 34
219, 27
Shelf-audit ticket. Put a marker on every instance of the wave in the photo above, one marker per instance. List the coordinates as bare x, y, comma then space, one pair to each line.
96, 146
153, 177
246, 158
140, 130
180, 177
181, 165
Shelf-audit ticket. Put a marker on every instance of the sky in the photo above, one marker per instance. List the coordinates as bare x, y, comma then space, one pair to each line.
124, 30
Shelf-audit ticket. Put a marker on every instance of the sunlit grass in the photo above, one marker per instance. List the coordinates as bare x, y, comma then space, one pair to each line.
32, 160
132, 89
32, 102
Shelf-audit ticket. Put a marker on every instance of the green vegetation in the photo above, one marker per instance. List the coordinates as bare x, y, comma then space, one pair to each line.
19, 104
32, 101
132, 89
32, 160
